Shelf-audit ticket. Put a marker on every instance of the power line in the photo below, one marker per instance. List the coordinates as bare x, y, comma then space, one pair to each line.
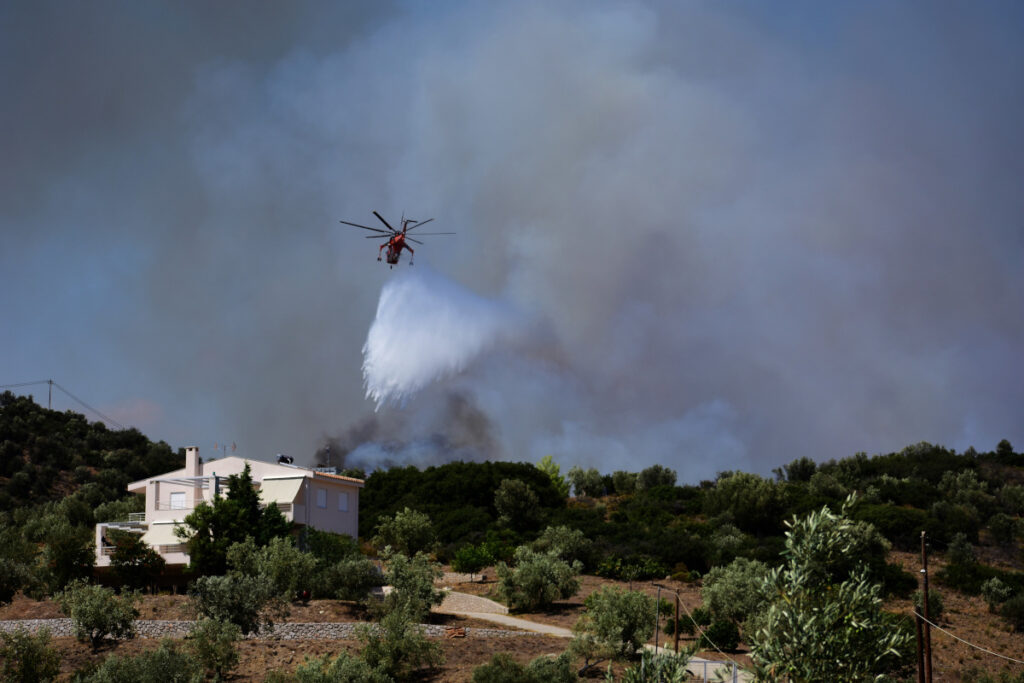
976, 647
82, 403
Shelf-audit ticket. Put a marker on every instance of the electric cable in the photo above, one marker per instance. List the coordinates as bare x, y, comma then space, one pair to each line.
976, 647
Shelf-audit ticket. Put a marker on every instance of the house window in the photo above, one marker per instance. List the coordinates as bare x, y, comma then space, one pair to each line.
343, 501
178, 500
321, 498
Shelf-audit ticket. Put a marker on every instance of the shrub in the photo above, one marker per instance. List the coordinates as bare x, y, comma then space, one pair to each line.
134, 563
664, 667
517, 505
350, 579
288, 570
166, 664
1002, 527
397, 645
503, 669
935, 604
26, 658
538, 580
568, 545
408, 532
721, 634
241, 600
960, 551
1013, 611
616, 623
734, 591
345, 668
412, 581
470, 559
624, 482
213, 644
655, 475
995, 593
97, 613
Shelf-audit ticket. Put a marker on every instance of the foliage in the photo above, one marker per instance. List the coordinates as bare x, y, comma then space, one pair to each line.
407, 532
69, 555
616, 623
166, 664
568, 545
27, 657
623, 482
351, 579
118, 510
288, 570
134, 563
503, 669
756, 504
664, 667
825, 621
734, 592
396, 645
211, 529
537, 580
655, 475
241, 599
213, 644
17, 555
548, 466
960, 551
470, 559
586, 482
995, 593
345, 668
1013, 611
632, 568
1003, 528
517, 505
412, 583
96, 612
722, 634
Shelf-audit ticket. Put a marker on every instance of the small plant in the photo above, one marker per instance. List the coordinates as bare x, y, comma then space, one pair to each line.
166, 664
213, 644
935, 606
97, 613
722, 634
345, 668
995, 593
26, 658
503, 669
1013, 610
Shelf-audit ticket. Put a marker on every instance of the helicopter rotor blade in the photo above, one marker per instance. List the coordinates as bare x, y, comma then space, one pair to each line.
384, 221
413, 240
421, 234
365, 227
376, 237
418, 224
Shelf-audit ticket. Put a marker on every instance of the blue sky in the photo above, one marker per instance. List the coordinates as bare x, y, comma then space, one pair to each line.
741, 235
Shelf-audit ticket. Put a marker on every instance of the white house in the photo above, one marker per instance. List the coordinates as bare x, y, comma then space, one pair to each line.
306, 497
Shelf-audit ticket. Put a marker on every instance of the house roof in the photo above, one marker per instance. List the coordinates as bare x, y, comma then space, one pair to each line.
261, 470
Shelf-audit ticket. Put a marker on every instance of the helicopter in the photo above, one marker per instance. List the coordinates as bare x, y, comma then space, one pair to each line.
396, 239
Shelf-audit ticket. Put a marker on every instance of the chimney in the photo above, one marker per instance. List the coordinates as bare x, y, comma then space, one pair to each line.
194, 468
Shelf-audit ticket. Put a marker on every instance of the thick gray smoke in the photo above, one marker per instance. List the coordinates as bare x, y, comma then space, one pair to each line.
719, 235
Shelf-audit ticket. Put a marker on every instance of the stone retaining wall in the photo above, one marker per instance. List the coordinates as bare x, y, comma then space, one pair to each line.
289, 631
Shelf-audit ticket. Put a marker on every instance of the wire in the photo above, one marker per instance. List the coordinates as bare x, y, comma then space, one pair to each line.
704, 634
82, 403
976, 647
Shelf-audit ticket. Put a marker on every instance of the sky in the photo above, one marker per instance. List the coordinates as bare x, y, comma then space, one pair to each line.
711, 236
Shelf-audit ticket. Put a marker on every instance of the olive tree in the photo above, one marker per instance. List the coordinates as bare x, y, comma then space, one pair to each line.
408, 532
96, 612
536, 580
616, 623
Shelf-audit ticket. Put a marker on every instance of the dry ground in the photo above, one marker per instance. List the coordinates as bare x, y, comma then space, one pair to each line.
967, 617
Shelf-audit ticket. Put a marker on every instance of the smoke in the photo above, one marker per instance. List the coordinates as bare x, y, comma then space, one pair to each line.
714, 236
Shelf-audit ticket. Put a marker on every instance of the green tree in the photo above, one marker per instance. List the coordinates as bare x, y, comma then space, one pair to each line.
825, 620
517, 505
210, 530
345, 668
134, 563
214, 645
96, 612
655, 475
69, 554
288, 569
734, 592
397, 645
242, 599
408, 532
568, 545
470, 559
349, 579
537, 580
504, 669
624, 482
995, 593
616, 623
586, 482
166, 664
412, 583
27, 657
755, 503
548, 466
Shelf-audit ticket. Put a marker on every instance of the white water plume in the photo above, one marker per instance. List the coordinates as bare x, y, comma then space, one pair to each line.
427, 328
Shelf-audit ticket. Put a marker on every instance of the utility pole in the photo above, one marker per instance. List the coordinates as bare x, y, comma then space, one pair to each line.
676, 629
924, 608
920, 644
49, 396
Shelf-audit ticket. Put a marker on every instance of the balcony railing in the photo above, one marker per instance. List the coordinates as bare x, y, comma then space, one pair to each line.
134, 517
165, 505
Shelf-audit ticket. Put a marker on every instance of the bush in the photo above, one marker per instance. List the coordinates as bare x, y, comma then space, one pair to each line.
134, 563
734, 591
960, 551
517, 505
935, 604
1013, 611
350, 579
721, 634
538, 580
665, 667
97, 613
241, 600
213, 644
655, 475
568, 545
166, 664
412, 581
345, 668
995, 593
397, 645
289, 571
26, 658
616, 623
408, 532
504, 669
470, 559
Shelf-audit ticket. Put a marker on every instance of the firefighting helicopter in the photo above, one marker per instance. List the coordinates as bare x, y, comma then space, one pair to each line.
396, 238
